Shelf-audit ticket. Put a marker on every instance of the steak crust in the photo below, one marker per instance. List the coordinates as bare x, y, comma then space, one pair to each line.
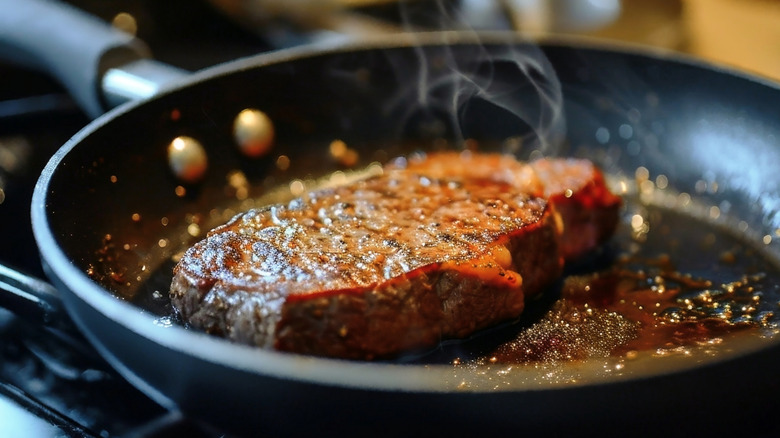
435, 247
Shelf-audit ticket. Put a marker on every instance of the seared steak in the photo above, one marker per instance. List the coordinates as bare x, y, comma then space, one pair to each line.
436, 247
588, 210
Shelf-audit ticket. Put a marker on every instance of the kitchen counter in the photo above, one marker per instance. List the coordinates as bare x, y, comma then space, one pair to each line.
740, 33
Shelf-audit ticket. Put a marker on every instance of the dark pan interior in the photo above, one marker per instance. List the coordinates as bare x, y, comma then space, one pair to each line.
711, 134
623, 111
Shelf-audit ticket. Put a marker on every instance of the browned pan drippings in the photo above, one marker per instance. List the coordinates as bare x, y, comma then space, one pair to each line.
688, 285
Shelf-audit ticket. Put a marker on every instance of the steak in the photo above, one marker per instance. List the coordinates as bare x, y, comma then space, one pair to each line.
588, 210
436, 247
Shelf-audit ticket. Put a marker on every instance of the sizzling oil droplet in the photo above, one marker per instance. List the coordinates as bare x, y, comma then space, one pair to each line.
253, 132
283, 162
343, 154
187, 159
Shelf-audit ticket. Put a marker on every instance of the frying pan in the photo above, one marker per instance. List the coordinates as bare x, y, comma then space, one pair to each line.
109, 216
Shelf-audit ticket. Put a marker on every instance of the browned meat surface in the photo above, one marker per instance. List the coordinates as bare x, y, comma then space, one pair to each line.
588, 210
434, 248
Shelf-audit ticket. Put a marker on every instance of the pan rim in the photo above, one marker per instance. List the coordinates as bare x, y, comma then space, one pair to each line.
359, 375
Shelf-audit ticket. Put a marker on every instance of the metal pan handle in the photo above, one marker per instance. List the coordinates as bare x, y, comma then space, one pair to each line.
32, 299
99, 65
37, 302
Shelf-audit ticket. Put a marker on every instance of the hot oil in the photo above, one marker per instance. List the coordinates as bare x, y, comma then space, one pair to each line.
685, 285
663, 286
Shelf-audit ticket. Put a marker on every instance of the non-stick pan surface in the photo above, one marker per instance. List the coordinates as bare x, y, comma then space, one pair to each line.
692, 147
109, 216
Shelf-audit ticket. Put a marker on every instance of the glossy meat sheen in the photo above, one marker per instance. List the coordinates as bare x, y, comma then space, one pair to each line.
434, 248
588, 210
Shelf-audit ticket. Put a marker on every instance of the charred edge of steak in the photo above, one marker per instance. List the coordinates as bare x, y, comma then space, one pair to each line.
426, 306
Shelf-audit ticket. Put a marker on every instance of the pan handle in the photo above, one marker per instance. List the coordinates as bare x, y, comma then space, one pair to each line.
99, 65
33, 300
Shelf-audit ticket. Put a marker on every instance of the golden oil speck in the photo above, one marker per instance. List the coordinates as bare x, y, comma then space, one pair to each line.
126, 247
125, 22
283, 162
767, 239
254, 133
237, 178
193, 230
345, 155
239, 184
297, 187
337, 148
114, 178
164, 221
136, 217
162, 243
187, 159
642, 174
180, 191
662, 182
714, 212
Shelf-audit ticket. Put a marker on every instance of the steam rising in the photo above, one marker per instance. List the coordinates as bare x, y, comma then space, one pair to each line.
470, 90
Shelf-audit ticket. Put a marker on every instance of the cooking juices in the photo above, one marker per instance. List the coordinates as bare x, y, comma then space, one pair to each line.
665, 283
684, 284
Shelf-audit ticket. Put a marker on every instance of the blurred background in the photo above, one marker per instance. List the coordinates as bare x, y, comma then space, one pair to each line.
194, 34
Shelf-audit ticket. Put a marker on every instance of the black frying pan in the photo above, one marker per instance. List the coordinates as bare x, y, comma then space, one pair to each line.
108, 218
